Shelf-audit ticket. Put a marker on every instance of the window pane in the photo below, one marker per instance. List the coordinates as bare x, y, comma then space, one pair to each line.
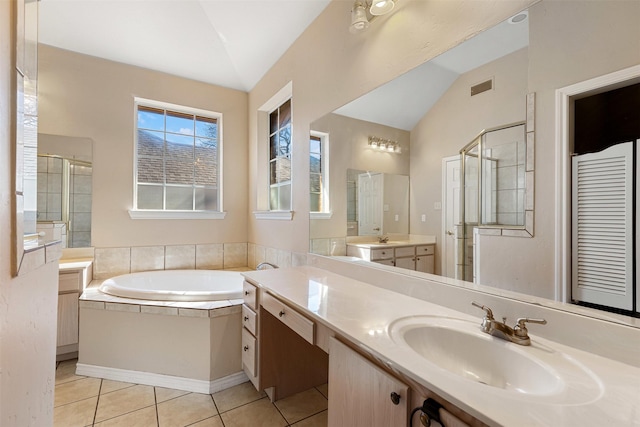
273, 147
315, 200
283, 169
284, 197
284, 142
206, 162
205, 173
149, 197
314, 163
151, 169
273, 198
273, 122
206, 199
314, 182
207, 127
150, 143
314, 145
150, 118
179, 159
180, 123
285, 114
180, 198
273, 172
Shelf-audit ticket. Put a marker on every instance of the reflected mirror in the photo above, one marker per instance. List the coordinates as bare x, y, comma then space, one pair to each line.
65, 189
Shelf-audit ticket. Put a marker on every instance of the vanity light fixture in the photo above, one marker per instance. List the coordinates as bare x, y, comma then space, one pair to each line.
382, 144
364, 12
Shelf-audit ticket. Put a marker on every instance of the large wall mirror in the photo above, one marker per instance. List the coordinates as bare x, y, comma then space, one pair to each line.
491, 81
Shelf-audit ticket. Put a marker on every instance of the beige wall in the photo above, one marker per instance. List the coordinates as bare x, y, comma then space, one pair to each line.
329, 67
28, 303
348, 149
87, 97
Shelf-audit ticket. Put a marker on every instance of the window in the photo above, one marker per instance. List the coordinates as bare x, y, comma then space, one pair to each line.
319, 173
177, 158
280, 158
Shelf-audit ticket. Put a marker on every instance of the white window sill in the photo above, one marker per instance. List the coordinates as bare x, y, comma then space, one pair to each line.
156, 214
279, 215
320, 215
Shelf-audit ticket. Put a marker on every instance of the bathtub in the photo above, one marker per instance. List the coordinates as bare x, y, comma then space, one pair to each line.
176, 285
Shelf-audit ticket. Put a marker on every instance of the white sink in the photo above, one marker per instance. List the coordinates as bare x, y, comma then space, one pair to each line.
459, 347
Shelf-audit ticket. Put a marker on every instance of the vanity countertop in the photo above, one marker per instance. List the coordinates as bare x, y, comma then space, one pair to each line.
606, 393
72, 264
392, 243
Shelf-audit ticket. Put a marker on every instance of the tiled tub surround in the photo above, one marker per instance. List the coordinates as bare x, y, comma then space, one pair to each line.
599, 389
110, 262
193, 346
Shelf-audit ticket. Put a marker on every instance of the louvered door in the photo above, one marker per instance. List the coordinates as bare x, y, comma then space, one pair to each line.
602, 235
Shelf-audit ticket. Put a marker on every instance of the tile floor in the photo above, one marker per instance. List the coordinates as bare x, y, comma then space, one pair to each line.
83, 401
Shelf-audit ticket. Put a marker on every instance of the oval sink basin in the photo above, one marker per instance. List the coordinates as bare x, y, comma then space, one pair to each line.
459, 347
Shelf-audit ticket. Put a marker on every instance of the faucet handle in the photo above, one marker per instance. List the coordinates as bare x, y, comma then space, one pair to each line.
489, 314
521, 329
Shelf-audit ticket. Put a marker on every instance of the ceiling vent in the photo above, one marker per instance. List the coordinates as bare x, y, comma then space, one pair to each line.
482, 87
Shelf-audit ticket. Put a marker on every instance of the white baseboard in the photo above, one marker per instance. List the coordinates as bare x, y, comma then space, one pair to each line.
159, 380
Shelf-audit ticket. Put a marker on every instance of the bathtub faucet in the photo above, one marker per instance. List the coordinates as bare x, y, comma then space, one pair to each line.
263, 265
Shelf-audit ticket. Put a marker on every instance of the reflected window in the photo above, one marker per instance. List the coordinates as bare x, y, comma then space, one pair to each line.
177, 158
318, 172
280, 158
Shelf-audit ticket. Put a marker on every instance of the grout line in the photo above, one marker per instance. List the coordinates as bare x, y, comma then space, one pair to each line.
155, 400
95, 412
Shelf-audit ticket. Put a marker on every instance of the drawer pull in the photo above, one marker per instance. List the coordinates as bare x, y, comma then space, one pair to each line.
246, 348
281, 313
246, 318
395, 398
247, 292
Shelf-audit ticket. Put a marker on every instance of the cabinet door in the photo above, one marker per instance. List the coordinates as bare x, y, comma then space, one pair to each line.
67, 319
360, 392
425, 263
408, 262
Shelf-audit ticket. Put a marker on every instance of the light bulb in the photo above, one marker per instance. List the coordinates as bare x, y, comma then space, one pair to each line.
381, 7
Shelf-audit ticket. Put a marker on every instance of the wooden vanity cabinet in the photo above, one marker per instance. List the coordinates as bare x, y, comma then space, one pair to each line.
362, 394
250, 323
71, 284
412, 257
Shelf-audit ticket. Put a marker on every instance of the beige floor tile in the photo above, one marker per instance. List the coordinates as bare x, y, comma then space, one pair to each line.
76, 390
324, 389
124, 401
74, 414
66, 372
109, 385
256, 414
185, 410
163, 394
302, 405
237, 396
145, 417
318, 420
209, 422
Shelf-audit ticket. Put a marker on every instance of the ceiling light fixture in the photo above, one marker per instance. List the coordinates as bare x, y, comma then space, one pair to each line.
364, 12
381, 7
382, 144
359, 21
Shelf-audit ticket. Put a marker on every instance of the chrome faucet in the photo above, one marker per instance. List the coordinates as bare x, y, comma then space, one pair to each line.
263, 265
383, 239
518, 334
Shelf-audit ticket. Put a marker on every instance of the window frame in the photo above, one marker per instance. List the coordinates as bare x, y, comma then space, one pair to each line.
326, 212
135, 212
272, 161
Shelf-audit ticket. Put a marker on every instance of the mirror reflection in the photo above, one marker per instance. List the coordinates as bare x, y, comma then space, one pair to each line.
65, 189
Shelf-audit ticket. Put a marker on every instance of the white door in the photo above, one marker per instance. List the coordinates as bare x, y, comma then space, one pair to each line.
450, 213
370, 204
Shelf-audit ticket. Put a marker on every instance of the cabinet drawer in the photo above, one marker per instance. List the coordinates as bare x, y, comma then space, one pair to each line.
249, 319
249, 351
69, 282
294, 320
250, 294
381, 253
407, 251
425, 250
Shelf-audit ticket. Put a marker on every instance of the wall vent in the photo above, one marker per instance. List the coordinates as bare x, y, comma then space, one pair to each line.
482, 87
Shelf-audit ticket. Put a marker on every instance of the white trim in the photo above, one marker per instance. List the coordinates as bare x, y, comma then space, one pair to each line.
320, 215
443, 213
160, 214
563, 168
278, 99
159, 380
278, 215
324, 161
